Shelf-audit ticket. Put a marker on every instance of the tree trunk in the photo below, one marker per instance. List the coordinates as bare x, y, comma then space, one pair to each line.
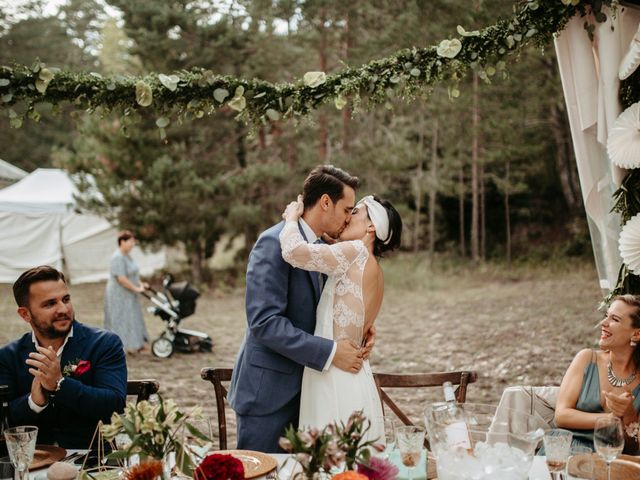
346, 111
483, 210
433, 189
463, 243
241, 153
475, 213
507, 210
564, 158
322, 117
196, 264
418, 186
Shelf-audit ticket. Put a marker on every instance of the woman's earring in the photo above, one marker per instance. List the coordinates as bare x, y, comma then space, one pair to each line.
633, 343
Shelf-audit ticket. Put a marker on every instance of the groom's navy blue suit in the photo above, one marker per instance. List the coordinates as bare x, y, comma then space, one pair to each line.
71, 419
281, 314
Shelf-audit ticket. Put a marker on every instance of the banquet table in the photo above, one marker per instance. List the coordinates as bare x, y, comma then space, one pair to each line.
538, 470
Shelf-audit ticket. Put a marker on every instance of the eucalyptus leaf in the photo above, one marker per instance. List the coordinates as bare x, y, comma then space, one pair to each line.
273, 114
95, 74
41, 86
238, 103
314, 79
415, 72
15, 122
517, 37
260, 95
144, 94
111, 86
163, 122
4, 82
169, 81
220, 94
340, 102
6, 98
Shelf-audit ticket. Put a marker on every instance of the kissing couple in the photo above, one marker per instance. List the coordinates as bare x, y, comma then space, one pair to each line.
311, 303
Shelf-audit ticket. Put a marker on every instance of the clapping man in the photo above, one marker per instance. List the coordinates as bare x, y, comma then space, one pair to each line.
64, 376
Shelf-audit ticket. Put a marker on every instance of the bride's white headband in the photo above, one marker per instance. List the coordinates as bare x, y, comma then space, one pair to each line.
379, 218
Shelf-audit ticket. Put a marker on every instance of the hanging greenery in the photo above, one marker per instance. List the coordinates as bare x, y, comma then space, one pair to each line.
195, 93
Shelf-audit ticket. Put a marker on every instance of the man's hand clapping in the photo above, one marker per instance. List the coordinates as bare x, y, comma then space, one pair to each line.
45, 367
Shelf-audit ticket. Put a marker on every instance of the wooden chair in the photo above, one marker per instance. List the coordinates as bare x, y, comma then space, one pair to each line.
436, 379
142, 389
216, 376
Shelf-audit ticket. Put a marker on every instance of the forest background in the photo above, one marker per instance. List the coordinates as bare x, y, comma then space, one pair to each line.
488, 174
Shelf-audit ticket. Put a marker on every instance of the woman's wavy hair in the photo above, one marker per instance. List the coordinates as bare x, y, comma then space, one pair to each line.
633, 301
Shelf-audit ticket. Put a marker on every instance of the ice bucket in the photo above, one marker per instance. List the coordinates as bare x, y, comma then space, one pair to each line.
503, 442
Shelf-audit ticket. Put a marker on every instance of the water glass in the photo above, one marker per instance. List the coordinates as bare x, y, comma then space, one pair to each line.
608, 438
7, 470
410, 440
581, 463
557, 446
21, 443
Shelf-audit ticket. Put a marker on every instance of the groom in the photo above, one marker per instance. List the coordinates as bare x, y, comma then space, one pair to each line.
281, 314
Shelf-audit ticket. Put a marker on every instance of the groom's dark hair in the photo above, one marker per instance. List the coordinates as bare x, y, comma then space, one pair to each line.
326, 179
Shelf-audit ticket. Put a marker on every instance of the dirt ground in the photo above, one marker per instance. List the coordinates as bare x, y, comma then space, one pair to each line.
514, 326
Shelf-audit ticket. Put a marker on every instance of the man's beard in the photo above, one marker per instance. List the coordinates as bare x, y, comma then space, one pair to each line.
49, 331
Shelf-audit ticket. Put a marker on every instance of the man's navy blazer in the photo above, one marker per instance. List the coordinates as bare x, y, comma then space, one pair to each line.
281, 314
71, 418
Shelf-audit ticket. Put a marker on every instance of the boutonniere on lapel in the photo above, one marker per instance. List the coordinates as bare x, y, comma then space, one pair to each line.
76, 368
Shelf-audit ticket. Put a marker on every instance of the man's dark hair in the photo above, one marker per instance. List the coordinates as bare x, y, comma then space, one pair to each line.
42, 273
326, 179
124, 235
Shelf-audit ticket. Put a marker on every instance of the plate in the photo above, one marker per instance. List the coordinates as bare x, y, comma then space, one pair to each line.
46, 455
255, 463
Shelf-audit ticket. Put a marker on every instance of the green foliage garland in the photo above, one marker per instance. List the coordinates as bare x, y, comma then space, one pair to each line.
199, 92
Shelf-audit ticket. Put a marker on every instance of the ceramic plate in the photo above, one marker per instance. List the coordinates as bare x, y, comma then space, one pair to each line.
46, 455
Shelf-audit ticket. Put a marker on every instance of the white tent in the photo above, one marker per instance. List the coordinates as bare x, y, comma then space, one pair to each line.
10, 173
39, 226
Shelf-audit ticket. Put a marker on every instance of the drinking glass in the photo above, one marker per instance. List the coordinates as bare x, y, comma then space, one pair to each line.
21, 443
409, 440
557, 445
581, 464
389, 435
6, 469
608, 438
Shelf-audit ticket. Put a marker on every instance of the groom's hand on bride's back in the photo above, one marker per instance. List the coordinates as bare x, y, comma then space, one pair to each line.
348, 357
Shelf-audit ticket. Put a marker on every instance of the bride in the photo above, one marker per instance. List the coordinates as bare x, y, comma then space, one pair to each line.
348, 307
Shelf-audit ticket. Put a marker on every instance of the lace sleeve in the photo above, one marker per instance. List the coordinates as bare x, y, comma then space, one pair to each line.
328, 259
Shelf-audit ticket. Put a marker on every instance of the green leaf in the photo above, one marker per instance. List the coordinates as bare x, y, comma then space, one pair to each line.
220, 94
111, 86
517, 37
531, 32
163, 134
15, 122
6, 98
415, 72
273, 114
163, 122
4, 82
314, 79
169, 81
144, 94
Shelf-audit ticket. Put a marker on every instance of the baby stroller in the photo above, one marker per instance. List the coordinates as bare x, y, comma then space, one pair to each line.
176, 302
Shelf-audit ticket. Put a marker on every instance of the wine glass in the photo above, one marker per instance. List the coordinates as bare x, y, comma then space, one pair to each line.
557, 446
21, 443
608, 438
409, 441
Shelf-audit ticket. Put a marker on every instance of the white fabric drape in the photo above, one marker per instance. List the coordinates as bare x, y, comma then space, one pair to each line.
589, 74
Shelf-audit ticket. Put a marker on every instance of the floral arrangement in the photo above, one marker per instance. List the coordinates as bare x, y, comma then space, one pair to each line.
149, 470
336, 447
76, 368
155, 430
219, 466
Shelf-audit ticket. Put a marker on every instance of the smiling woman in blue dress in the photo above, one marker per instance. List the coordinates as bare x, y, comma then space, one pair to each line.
122, 311
606, 381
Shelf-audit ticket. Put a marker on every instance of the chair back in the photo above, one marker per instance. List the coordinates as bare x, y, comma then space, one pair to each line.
216, 376
419, 380
142, 389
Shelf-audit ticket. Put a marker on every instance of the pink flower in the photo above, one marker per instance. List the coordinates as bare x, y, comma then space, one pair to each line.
378, 469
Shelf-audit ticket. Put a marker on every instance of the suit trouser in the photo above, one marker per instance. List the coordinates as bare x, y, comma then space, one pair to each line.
262, 433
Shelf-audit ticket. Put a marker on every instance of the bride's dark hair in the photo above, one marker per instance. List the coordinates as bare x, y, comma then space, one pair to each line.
395, 227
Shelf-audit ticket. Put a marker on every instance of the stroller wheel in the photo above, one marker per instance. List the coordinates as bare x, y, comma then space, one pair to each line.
206, 345
162, 347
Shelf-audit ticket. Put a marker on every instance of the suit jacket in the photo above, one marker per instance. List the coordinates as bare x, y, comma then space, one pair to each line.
281, 314
71, 418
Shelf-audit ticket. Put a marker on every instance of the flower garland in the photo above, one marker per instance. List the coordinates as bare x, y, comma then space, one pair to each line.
188, 94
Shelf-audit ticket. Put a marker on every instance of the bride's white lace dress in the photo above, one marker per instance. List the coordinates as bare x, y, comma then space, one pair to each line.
334, 394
